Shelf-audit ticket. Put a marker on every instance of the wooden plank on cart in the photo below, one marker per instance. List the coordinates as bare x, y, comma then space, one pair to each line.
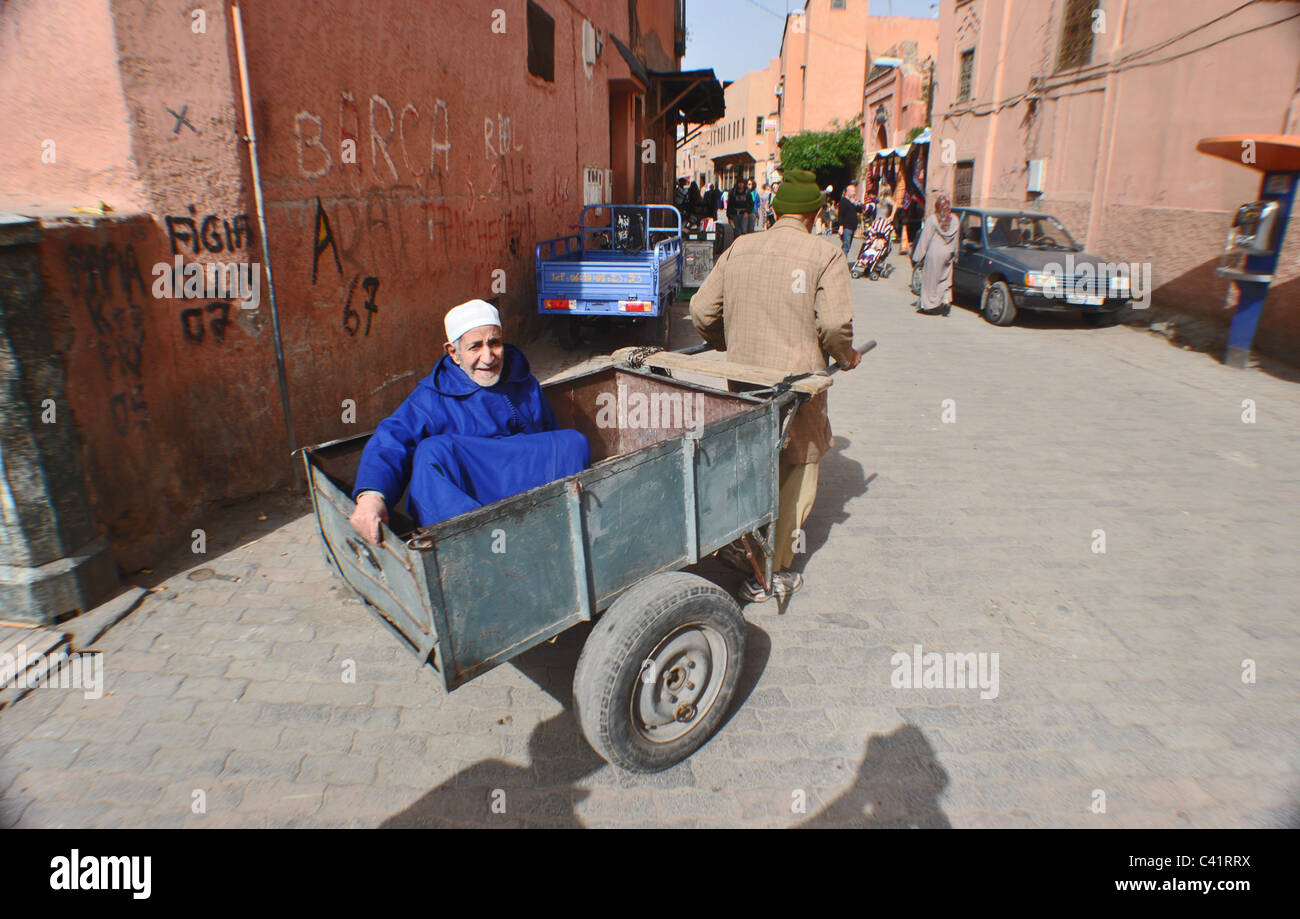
729, 370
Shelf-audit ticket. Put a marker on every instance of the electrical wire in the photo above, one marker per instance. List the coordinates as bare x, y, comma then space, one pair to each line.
1108, 69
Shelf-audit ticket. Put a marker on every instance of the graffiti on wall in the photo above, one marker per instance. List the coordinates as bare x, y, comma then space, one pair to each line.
322, 239
107, 282
218, 320
420, 141
213, 233
399, 201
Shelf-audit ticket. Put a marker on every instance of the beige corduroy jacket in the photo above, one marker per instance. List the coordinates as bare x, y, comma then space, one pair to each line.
780, 299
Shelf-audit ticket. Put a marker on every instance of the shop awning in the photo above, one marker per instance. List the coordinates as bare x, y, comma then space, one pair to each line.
893, 151
695, 94
902, 149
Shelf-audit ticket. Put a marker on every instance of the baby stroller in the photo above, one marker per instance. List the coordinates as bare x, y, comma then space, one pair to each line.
872, 257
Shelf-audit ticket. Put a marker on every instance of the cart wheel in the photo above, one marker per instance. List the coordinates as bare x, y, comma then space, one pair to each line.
916, 279
855, 272
658, 671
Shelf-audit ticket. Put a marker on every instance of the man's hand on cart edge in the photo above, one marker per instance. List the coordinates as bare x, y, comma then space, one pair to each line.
854, 360
371, 511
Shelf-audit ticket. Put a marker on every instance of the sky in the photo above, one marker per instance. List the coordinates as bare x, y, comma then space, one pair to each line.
737, 36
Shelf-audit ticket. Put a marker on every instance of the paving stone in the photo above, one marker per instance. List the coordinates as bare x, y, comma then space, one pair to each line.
249, 766
173, 734
351, 769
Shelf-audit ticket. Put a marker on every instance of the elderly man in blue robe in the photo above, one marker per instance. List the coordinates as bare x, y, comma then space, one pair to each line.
476, 430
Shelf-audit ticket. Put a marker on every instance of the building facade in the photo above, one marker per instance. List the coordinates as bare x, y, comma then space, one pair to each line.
895, 96
1091, 109
825, 48
410, 158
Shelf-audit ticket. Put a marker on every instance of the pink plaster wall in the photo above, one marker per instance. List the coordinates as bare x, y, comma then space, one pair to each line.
1122, 168
60, 83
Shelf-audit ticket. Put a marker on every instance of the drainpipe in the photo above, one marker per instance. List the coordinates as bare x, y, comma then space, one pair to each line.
250, 137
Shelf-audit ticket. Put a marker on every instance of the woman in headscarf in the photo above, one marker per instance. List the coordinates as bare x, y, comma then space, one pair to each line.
937, 249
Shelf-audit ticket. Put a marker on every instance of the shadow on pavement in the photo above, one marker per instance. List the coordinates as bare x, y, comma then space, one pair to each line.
839, 481
545, 793
228, 527
898, 786
494, 793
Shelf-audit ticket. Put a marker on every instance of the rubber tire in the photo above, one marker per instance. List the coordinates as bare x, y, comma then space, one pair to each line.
1009, 310
663, 326
612, 658
916, 281
855, 272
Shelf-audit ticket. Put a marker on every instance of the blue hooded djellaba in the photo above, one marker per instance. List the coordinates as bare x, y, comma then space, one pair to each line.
462, 446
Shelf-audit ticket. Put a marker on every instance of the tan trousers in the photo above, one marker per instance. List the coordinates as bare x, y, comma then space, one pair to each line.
798, 491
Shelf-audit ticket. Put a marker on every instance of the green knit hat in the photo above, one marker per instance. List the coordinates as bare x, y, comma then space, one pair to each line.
798, 194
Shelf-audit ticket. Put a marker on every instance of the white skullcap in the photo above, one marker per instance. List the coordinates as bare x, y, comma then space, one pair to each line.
470, 315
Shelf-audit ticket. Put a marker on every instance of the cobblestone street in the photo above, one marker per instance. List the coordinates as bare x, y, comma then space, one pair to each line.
1120, 698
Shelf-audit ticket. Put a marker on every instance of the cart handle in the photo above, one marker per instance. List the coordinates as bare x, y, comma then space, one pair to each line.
786, 384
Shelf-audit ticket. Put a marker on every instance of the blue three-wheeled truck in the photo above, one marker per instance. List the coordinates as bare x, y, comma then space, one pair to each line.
624, 263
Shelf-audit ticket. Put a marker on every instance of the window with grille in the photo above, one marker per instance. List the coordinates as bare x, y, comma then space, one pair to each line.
962, 181
839, 4
758, 124
541, 43
1076, 35
965, 75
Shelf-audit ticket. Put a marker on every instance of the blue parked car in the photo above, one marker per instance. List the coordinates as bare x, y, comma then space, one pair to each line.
624, 263
1018, 260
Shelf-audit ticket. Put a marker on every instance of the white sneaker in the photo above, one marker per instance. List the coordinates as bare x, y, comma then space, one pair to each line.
783, 584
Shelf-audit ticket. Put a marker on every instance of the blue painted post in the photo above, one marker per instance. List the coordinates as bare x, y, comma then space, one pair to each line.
1279, 187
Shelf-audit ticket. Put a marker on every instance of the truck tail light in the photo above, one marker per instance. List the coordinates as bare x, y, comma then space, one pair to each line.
557, 304
635, 306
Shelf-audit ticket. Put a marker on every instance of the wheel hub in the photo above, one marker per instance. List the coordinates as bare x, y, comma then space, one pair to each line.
684, 675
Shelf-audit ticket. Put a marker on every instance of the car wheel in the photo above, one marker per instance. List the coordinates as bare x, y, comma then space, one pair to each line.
996, 303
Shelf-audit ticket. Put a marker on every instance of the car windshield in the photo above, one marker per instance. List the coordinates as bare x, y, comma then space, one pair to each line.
1028, 232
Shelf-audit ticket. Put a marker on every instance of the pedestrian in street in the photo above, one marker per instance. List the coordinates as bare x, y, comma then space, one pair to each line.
885, 202
781, 300
765, 206
680, 197
850, 212
738, 204
826, 222
937, 251
712, 205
